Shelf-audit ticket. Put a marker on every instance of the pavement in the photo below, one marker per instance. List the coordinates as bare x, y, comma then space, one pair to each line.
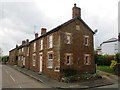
59, 85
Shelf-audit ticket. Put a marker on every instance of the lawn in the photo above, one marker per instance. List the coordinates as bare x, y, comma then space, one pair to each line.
106, 69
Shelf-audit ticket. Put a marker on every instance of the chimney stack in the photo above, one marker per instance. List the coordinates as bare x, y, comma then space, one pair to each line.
16, 46
27, 40
76, 11
36, 35
43, 30
23, 42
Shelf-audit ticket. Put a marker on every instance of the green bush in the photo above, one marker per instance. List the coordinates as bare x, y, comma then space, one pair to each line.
78, 77
117, 57
104, 59
5, 59
69, 72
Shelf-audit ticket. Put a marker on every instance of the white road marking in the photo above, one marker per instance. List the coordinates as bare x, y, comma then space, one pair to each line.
20, 86
6, 71
12, 78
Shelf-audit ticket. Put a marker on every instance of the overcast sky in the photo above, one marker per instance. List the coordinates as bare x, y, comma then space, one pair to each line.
18, 18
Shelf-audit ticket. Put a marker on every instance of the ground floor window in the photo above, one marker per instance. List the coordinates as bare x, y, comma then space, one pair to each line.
87, 59
50, 59
68, 58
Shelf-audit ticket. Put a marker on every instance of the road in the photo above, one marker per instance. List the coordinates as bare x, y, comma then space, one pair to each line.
12, 78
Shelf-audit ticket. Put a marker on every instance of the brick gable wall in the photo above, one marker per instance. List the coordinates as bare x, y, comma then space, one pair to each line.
77, 48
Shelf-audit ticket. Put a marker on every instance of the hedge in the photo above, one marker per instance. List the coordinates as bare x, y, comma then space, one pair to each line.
104, 59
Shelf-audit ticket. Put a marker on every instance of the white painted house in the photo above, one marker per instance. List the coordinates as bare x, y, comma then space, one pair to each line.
109, 47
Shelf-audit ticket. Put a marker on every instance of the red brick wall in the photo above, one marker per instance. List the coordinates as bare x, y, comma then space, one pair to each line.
45, 69
77, 48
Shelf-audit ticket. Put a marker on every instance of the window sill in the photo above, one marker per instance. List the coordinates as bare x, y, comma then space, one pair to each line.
68, 43
34, 51
68, 64
49, 67
57, 70
41, 50
87, 64
50, 48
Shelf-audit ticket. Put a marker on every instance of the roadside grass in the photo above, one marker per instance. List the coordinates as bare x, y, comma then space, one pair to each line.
106, 69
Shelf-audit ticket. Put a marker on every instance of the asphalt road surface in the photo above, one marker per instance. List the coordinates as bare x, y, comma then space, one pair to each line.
12, 78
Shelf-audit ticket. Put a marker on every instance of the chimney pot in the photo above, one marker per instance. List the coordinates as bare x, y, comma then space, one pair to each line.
16, 46
75, 5
23, 42
36, 35
27, 40
43, 30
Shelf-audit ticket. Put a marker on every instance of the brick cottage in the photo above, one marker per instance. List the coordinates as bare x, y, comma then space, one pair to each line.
70, 45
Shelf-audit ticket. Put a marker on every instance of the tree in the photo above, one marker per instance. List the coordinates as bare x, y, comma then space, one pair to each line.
5, 59
1, 52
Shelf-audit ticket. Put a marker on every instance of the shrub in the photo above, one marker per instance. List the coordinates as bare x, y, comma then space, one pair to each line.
69, 72
5, 59
117, 57
85, 77
113, 64
104, 59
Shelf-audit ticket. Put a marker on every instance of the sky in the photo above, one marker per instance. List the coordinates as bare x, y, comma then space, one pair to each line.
19, 19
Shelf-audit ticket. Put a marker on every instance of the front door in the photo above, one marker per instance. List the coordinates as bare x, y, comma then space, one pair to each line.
23, 61
40, 62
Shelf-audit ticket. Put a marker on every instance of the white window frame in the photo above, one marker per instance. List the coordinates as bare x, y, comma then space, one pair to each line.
68, 37
18, 58
50, 41
34, 45
41, 44
28, 50
34, 60
50, 60
19, 50
23, 49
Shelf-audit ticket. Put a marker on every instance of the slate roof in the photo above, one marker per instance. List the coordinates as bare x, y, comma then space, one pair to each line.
26, 44
110, 40
56, 29
61, 26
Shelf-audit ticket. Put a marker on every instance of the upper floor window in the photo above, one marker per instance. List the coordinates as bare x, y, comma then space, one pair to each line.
34, 60
50, 59
68, 38
18, 58
86, 40
28, 50
50, 41
41, 44
22, 49
34, 46
19, 50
